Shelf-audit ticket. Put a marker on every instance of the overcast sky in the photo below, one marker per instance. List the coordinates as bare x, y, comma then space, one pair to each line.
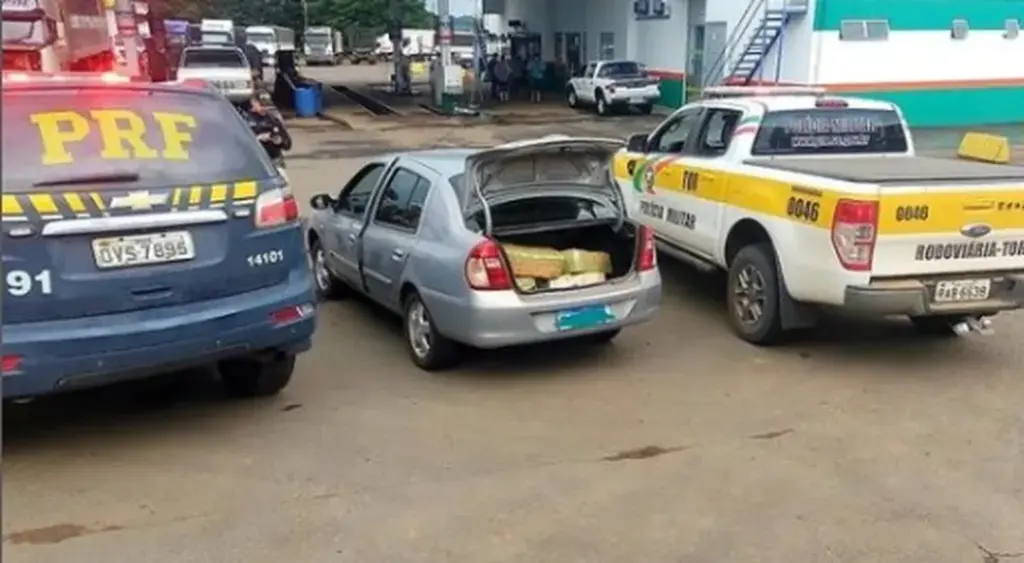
458, 7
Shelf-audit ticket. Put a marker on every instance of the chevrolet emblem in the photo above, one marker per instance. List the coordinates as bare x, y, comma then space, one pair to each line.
138, 201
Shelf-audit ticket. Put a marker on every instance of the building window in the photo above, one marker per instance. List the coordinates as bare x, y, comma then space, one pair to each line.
607, 46
959, 30
1012, 29
864, 30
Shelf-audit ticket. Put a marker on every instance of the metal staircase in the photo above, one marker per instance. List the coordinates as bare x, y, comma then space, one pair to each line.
760, 28
757, 47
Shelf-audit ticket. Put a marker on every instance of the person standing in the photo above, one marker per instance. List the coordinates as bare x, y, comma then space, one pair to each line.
536, 69
502, 75
492, 64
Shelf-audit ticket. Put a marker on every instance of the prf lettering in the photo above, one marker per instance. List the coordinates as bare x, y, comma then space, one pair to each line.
121, 134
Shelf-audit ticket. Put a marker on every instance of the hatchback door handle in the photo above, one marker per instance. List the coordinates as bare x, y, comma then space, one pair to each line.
397, 254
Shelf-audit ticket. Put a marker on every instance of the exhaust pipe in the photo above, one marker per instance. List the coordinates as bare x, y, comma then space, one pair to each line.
978, 325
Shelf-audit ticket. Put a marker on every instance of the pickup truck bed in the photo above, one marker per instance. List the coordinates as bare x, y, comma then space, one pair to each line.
895, 170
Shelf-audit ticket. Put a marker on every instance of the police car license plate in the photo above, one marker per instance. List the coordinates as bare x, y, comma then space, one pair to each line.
962, 290
583, 317
143, 250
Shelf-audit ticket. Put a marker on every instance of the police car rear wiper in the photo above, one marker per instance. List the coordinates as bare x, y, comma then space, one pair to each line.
106, 178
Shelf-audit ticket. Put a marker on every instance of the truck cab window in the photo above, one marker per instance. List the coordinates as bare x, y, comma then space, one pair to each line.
672, 136
717, 131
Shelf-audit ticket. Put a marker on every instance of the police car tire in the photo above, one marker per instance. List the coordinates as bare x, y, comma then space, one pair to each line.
256, 378
935, 325
444, 353
768, 330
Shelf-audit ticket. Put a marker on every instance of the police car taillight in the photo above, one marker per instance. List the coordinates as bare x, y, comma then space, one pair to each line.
275, 208
854, 232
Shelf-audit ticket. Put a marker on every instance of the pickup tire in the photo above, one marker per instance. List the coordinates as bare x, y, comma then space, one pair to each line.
603, 108
428, 348
753, 295
256, 377
646, 109
572, 97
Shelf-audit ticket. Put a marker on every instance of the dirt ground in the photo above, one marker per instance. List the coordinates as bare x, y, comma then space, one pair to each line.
678, 443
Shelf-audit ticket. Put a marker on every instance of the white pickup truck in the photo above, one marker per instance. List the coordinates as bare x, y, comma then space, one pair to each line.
810, 201
613, 85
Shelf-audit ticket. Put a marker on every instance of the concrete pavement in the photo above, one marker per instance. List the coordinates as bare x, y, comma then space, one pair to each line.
679, 443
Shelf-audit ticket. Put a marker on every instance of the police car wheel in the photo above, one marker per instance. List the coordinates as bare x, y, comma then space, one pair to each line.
327, 285
429, 350
753, 295
256, 378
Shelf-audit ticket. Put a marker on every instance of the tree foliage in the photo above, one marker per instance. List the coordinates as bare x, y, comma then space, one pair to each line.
341, 14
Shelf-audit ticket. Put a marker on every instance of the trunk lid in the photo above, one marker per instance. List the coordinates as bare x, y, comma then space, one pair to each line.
950, 229
95, 231
550, 166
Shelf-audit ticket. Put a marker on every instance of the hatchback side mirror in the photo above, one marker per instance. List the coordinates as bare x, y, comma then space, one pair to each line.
636, 143
322, 201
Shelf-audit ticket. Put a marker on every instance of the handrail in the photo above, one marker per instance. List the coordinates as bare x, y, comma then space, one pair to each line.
736, 38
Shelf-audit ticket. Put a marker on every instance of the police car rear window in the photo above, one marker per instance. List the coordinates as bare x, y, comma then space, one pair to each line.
142, 138
829, 132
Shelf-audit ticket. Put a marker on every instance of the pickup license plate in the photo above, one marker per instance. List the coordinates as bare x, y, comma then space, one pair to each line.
636, 100
583, 317
962, 290
143, 250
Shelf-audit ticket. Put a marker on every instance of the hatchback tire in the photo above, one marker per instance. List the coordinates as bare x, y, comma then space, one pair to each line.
429, 350
327, 285
252, 377
752, 296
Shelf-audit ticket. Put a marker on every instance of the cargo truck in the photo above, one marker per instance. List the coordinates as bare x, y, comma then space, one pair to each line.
56, 35
361, 46
322, 45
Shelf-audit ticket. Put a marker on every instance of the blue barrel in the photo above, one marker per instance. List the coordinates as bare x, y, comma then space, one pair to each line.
305, 102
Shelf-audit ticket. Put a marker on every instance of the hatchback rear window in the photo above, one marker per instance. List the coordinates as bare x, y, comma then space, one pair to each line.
216, 58
142, 138
830, 132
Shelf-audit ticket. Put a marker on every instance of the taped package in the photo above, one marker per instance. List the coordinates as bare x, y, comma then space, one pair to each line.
577, 280
534, 261
587, 261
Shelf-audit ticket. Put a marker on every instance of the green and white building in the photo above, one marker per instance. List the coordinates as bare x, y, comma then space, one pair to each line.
945, 62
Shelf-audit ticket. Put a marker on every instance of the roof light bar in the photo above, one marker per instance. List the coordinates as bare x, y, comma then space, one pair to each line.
749, 91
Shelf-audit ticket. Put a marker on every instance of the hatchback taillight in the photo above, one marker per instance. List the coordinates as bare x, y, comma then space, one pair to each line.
646, 251
485, 268
854, 232
275, 208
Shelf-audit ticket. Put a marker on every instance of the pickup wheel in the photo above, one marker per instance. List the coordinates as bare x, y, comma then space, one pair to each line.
573, 99
646, 109
603, 108
753, 295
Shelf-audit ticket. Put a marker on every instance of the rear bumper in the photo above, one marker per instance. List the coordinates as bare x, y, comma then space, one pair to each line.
914, 298
506, 318
93, 351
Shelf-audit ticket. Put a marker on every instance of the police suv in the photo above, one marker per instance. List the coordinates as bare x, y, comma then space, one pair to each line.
144, 230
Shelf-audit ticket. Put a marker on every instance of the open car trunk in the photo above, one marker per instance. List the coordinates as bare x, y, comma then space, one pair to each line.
552, 205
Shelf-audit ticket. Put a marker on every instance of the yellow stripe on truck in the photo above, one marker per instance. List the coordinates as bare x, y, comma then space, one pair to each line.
917, 213
11, 206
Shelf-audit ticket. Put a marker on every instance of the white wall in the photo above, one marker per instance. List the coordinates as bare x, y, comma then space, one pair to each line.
917, 56
797, 54
662, 44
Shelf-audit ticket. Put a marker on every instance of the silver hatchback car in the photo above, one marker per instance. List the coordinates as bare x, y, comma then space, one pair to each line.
437, 236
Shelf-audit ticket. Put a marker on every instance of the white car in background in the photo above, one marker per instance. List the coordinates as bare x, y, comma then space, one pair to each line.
223, 66
612, 85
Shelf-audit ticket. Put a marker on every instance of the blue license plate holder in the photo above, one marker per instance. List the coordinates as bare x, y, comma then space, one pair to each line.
582, 318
